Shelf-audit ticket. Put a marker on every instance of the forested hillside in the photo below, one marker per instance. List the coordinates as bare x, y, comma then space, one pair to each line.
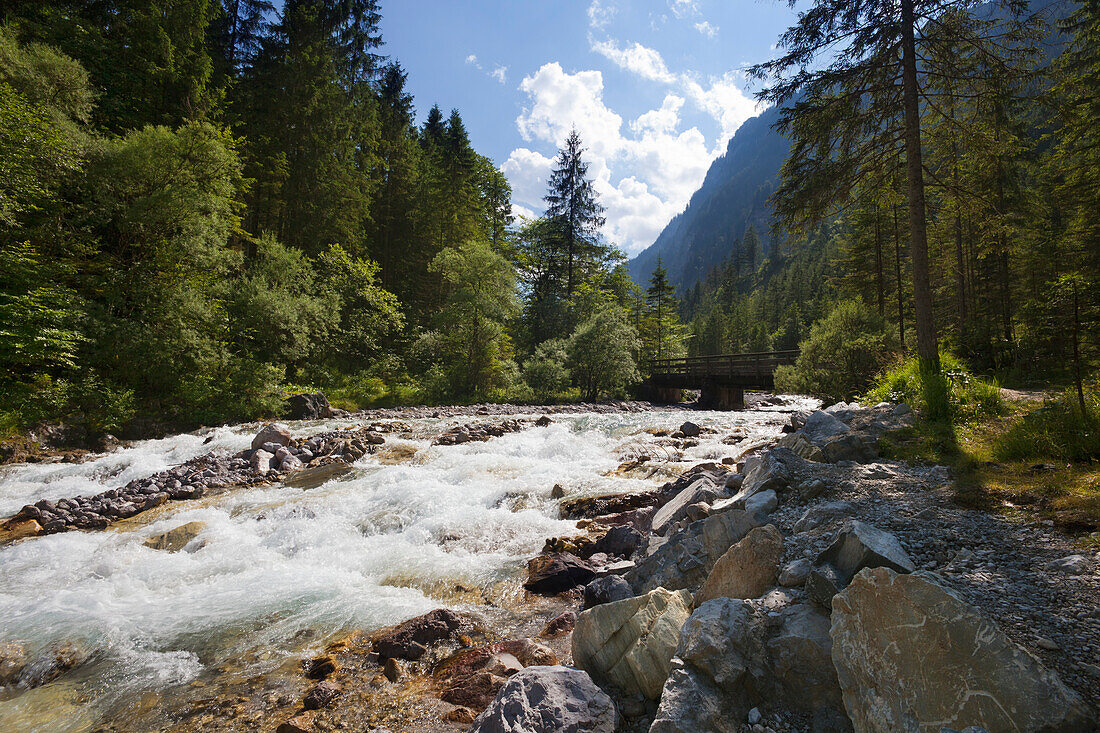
733, 198
208, 204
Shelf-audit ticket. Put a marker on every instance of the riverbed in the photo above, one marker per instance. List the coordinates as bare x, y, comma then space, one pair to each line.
278, 570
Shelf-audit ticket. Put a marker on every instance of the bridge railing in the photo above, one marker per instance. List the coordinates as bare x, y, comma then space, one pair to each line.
757, 364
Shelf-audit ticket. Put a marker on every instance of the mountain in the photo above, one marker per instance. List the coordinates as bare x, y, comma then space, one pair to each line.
734, 195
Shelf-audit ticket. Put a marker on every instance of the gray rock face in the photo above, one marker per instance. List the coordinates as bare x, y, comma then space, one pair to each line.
701, 490
913, 656
772, 469
548, 700
747, 569
685, 560
630, 643
818, 515
821, 427
859, 545
836, 441
271, 433
608, 589
730, 660
762, 503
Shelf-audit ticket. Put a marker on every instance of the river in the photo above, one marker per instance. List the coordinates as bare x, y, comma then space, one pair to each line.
277, 569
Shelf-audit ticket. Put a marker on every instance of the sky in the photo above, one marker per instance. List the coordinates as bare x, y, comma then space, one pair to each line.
655, 89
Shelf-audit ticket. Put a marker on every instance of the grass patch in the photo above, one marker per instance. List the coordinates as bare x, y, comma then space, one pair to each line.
968, 397
1024, 461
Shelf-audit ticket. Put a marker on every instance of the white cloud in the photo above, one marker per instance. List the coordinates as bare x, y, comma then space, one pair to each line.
683, 8
723, 100
472, 61
600, 13
657, 166
500, 73
707, 29
638, 59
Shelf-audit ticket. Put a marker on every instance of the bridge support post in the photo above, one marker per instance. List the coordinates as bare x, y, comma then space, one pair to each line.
668, 395
720, 397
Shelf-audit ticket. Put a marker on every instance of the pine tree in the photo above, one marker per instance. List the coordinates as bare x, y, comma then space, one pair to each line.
663, 331
572, 200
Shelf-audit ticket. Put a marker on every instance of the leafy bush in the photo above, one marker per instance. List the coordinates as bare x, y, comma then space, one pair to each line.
967, 397
844, 352
601, 353
546, 372
1058, 430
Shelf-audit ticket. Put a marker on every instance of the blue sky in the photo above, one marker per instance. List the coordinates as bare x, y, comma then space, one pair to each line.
655, 88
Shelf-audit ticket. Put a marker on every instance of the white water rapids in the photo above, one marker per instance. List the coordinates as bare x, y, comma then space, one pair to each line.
359, 552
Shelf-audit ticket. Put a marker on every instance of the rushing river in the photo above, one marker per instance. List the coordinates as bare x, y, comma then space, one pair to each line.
275, 564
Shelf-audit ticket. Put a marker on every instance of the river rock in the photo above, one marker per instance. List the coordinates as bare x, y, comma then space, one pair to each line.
837, 441
290, 463
690, 429
702, 490
271, 433
912, 655
619, 541
314, 476
795, 574
556, 573
773, 469
409, 639
608, 589
308, 406
685, 560
553, 699
176, 539
747, 569
630, 643
17, 529
13, 660
559, 625
322, 695
261, 461
1070, 565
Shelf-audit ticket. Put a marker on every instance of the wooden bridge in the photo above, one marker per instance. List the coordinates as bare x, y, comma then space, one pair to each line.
722, 379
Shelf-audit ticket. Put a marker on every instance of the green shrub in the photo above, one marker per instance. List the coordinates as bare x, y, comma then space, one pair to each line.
967, 397
1057, 430
844, 352
545, 372
601, 354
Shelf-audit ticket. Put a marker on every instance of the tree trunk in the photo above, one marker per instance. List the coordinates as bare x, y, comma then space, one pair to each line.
927, 351
1077, 352
878, 264
897, 278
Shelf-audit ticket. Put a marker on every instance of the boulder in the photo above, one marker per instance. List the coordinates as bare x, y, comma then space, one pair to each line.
322, 695
13, 660
630, 643
795, 574
619, 541
308, 406
608, 589
548, 700
685, 560
747, 569
1070, 565
556, 573
290, 463
801, 668
762, 503
17, 529
912, 655
261, 461
859, 545
690, 429
271, 433
773, 469
821, 427
820, 514
701, 490
176, 539
409, 639
716, 670
471, 677
559, 625
314, 476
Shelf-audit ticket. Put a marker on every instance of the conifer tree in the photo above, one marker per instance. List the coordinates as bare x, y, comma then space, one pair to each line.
572, 200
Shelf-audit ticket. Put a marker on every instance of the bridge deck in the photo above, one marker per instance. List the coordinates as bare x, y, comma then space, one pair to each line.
732, 370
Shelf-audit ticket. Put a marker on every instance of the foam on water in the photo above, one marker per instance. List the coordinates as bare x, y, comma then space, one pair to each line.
273, 560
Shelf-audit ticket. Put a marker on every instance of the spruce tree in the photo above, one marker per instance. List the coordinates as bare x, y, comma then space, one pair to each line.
573, 202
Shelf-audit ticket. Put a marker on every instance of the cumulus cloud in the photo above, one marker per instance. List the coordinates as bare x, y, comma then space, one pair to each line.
637, 59
707, 29
657, 166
